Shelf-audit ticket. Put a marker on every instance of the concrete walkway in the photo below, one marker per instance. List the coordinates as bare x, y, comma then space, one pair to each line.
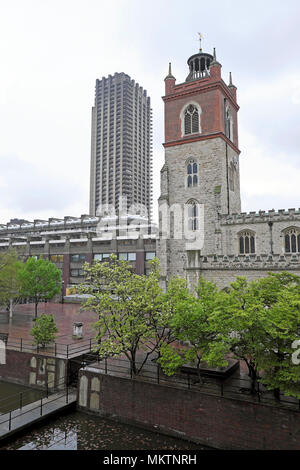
19, 419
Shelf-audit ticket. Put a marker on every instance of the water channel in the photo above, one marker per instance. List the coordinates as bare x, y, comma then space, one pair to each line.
13, 396
80, 431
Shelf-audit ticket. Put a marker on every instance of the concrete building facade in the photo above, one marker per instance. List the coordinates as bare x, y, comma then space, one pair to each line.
72, 241
121, 147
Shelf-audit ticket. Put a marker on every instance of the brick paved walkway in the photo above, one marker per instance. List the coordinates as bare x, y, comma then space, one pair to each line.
65, 315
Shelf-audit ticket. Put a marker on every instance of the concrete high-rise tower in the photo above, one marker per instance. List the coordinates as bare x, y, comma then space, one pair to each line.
121, 146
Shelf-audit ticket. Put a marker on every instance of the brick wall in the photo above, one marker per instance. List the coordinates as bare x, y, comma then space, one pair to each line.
33, 369
218, 422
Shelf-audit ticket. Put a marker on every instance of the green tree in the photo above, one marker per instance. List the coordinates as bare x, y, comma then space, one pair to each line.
128, 306
280, 295
259, 321
40, 280
161, 318
44, 330
239, 322
191, 324
10, 267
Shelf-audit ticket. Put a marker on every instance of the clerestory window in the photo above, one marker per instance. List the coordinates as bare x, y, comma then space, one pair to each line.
246, 242
292, 240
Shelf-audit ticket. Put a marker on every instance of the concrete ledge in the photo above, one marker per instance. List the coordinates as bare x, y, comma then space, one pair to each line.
31, 414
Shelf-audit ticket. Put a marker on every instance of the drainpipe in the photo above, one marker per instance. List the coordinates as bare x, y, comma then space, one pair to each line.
227, 176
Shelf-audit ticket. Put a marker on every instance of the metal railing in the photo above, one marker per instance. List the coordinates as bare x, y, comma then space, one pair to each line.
234, 387
56, 349
38, 408
20, 399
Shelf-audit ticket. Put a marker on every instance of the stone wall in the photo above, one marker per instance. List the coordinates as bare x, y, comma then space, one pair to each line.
212, 157
222, 270
224, 423
258, 222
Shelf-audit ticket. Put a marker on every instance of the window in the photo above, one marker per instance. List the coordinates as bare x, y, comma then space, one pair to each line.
149, 255
57, 258
78, 258
101, 256
292, 240
191, 120
193, 222
192, 174
131, 256
77, 272
127, 256
246, 242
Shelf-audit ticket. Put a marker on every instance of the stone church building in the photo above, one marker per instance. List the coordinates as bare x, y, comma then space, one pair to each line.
202, 231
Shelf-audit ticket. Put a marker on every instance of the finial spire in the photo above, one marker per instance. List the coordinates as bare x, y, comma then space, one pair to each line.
170, 73
231, 85
214, 61
200, 39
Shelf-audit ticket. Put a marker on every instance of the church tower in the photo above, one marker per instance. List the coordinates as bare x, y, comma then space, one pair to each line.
200, 179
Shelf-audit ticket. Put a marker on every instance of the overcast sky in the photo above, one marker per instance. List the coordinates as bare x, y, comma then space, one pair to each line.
52, 51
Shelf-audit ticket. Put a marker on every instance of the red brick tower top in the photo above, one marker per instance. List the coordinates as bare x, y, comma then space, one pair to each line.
203, 107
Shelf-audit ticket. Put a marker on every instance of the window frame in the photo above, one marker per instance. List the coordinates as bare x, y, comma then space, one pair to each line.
191, 176
183, 114
248, 237
293, 233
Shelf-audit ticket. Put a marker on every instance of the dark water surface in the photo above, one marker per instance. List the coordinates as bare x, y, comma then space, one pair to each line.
80, 431
12, 396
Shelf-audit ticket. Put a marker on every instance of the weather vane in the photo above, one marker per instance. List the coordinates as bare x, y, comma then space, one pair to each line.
200, 39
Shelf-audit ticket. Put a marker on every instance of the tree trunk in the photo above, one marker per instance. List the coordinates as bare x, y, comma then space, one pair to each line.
10, 308
276, 392
253, 382
253, 376
198, 371
35, 309
133, 366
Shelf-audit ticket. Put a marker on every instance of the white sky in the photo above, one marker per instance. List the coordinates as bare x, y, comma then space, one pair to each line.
51, 53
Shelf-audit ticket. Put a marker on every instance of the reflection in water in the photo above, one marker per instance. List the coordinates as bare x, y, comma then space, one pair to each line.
79, 431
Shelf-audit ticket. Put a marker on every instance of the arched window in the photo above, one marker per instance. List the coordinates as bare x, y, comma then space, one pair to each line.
246, 242
193, 215
292, 240
192, 173
191, 120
